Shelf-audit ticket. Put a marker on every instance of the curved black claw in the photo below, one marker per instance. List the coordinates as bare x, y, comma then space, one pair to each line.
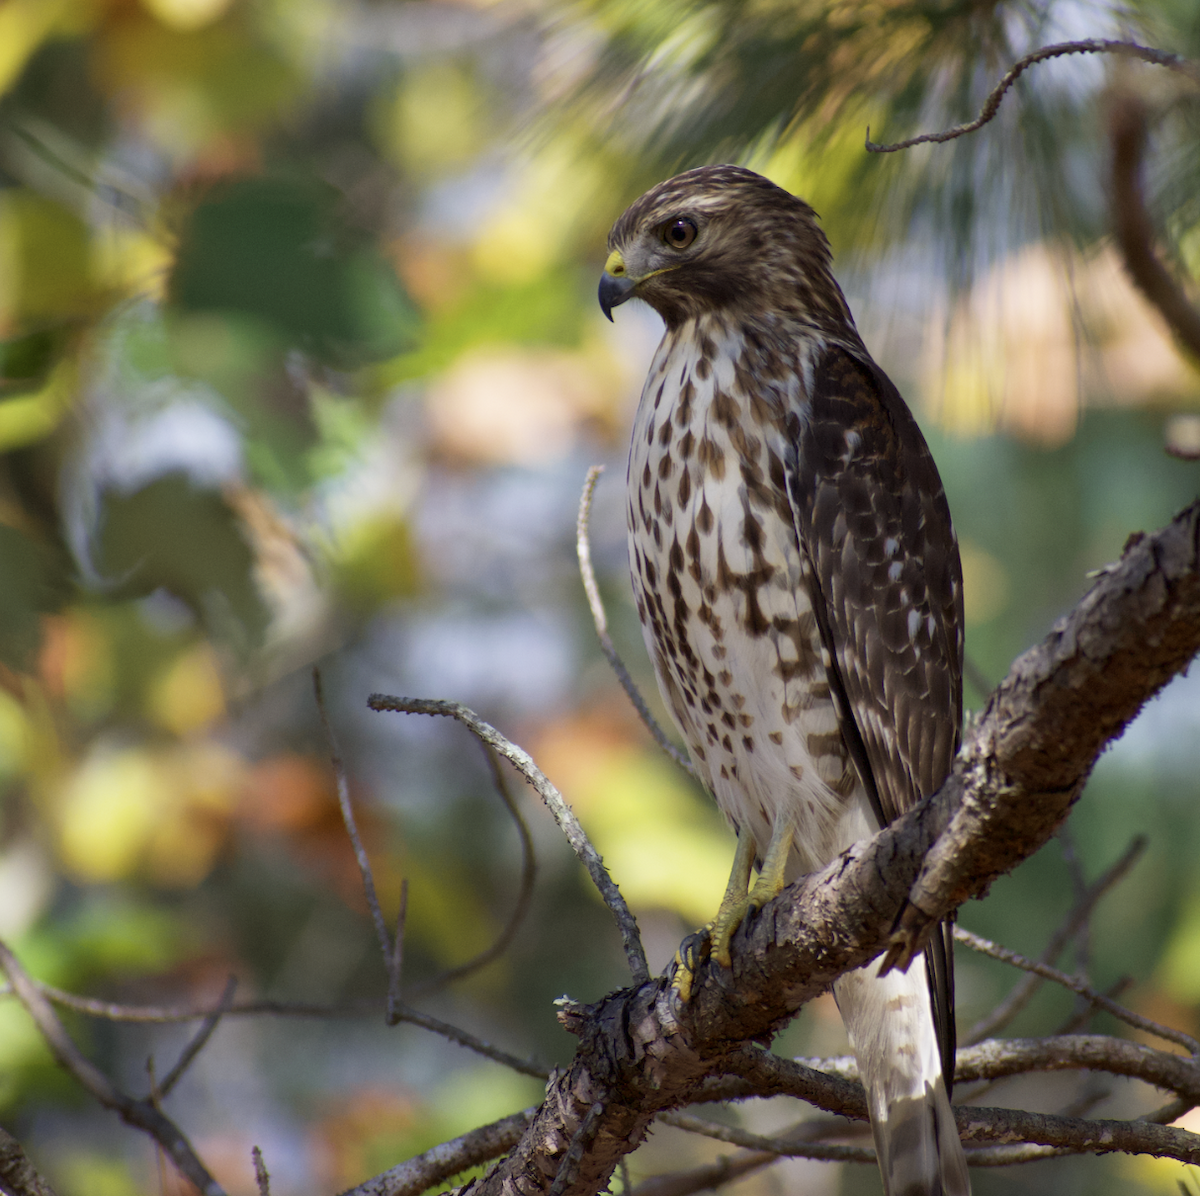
693, 953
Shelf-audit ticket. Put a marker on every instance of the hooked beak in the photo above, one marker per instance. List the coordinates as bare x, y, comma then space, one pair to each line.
615, 284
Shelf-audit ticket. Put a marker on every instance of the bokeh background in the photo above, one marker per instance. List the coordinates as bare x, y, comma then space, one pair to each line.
300, 363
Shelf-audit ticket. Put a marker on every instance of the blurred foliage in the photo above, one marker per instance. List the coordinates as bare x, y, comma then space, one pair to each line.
300, 361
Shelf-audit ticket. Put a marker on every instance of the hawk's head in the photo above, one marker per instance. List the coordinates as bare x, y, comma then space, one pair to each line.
722, 238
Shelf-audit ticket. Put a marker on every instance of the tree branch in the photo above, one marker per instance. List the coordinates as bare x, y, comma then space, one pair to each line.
1021, 768
1099, 1000
563, 814
439, 1163
991, 105
1022, 993
142, 1114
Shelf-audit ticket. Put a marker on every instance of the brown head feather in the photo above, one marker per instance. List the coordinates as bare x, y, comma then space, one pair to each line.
758, 249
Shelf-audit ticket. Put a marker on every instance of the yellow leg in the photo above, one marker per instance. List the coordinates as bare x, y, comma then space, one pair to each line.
770, 882
735, 905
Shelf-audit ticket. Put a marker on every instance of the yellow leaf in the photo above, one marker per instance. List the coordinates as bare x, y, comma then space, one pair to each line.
108, 810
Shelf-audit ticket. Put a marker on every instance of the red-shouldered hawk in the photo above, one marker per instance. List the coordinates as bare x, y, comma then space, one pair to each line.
800, 591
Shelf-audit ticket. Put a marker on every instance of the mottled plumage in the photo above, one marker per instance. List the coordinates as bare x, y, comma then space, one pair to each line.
799, 586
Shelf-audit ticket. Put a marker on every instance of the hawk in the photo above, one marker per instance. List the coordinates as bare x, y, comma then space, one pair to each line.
800, 591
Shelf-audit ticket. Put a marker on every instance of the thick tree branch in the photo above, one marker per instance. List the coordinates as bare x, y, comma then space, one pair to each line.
1021, 768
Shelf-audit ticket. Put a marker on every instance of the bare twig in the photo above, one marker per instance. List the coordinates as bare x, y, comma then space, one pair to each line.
199, 1039
805, 1140
439, 1163
1086, 1010
584, 551
995, 951
1023, 992
1131, 221
708, 1178
261, 1176
563, 813
142, 1114
524, 893
396, 963
991, 105
17, 1173
166, 1015
386, 945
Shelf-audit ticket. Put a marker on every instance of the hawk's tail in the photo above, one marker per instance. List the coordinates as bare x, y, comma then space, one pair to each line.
891, 1029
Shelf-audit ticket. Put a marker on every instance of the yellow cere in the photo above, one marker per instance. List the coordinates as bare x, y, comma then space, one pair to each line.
615, 264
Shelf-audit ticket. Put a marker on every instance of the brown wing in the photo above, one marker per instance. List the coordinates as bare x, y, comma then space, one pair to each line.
884, 567
886, 585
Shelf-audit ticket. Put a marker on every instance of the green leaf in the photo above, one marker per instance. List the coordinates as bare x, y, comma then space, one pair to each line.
276, 249
188, 541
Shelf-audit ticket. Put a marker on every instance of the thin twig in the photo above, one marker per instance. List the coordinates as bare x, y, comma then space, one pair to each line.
1023, 992
199, 1039
804, 1141
439, 1163
1173, 1110
1079, 1019
166, 1015
17, 1173
563, 813
1131, 222
524, 893
711, 1177
986, 947
396, 966
141, 1114
991, 106
1079, 888
360, 852
600, 619
261, 1176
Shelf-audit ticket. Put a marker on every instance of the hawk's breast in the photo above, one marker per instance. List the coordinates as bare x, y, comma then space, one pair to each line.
720, 581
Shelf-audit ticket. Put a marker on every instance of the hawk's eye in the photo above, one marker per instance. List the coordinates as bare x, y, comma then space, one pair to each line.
679, 234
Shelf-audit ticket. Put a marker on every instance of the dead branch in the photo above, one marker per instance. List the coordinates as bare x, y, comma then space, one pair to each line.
168, 1014
563, 814
1097, 999
392, 950
141, 1114
1021, 768
1131, 221
703, 1179
198, 1042
524, 893
262, 1177
991, 106
1023, 992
